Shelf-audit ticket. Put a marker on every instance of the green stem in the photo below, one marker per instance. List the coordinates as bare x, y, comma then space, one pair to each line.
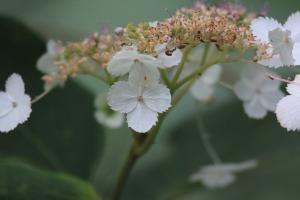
205, 140
165, 77
186, 52
139, 147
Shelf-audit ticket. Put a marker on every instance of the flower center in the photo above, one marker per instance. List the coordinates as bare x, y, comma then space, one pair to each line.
140, 98
14, 104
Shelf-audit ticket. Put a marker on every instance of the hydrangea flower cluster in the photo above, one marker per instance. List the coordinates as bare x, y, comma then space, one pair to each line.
150, 66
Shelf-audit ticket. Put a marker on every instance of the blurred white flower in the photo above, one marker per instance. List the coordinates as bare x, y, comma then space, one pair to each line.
105, 116
258, 93
140, 101
221, 175
288, 108
15, 105
46, 62
204, 86
127, 61
284, 39
168, 58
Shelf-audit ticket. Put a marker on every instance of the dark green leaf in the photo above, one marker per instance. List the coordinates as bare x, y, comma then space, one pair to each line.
19, 181
61, 133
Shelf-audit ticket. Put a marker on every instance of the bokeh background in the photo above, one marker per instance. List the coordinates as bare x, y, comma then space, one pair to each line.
62, 153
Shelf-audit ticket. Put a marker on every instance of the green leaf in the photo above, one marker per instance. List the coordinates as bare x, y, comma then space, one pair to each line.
19, 181
61, 133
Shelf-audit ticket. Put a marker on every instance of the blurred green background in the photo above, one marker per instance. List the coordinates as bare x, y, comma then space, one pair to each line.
62, 153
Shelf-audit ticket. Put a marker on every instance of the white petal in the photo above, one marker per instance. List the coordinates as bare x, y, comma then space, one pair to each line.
212, 75
9, 121
213, 177
121, 63
122, 97
23, 108
114, 120
45, 64
15, 86
294, 89
252, 76
243, 166
53, 47
296, 53
283, 45
160, 48
144, 75
254, 109
170, 60
288, 112
292, 24
273, 62
6, 104
269, 85
261, 26
202, 91
148, 60
244, 90
157, 98
269, 100
142, 118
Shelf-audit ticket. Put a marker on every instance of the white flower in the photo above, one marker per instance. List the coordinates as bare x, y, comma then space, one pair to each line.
46, 62
15, 105
288, 108
128, 61
204, 86
140, 101
168, 58
258, 93
105, 116
221, 175
284, 39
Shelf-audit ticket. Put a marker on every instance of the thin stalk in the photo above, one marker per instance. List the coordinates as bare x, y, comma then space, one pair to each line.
186, 52
139, 147
165, 77
206, 142
39, 97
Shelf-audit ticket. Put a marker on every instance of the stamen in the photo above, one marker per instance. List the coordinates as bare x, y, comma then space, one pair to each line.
14, 104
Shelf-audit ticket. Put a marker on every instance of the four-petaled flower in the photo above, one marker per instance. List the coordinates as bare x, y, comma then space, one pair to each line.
15, 105
258, 93
284, 40
140, 101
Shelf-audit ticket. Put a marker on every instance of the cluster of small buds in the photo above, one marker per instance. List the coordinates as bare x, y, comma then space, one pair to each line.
225, 25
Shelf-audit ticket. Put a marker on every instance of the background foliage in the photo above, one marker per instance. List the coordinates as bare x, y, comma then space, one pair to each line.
61, 151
